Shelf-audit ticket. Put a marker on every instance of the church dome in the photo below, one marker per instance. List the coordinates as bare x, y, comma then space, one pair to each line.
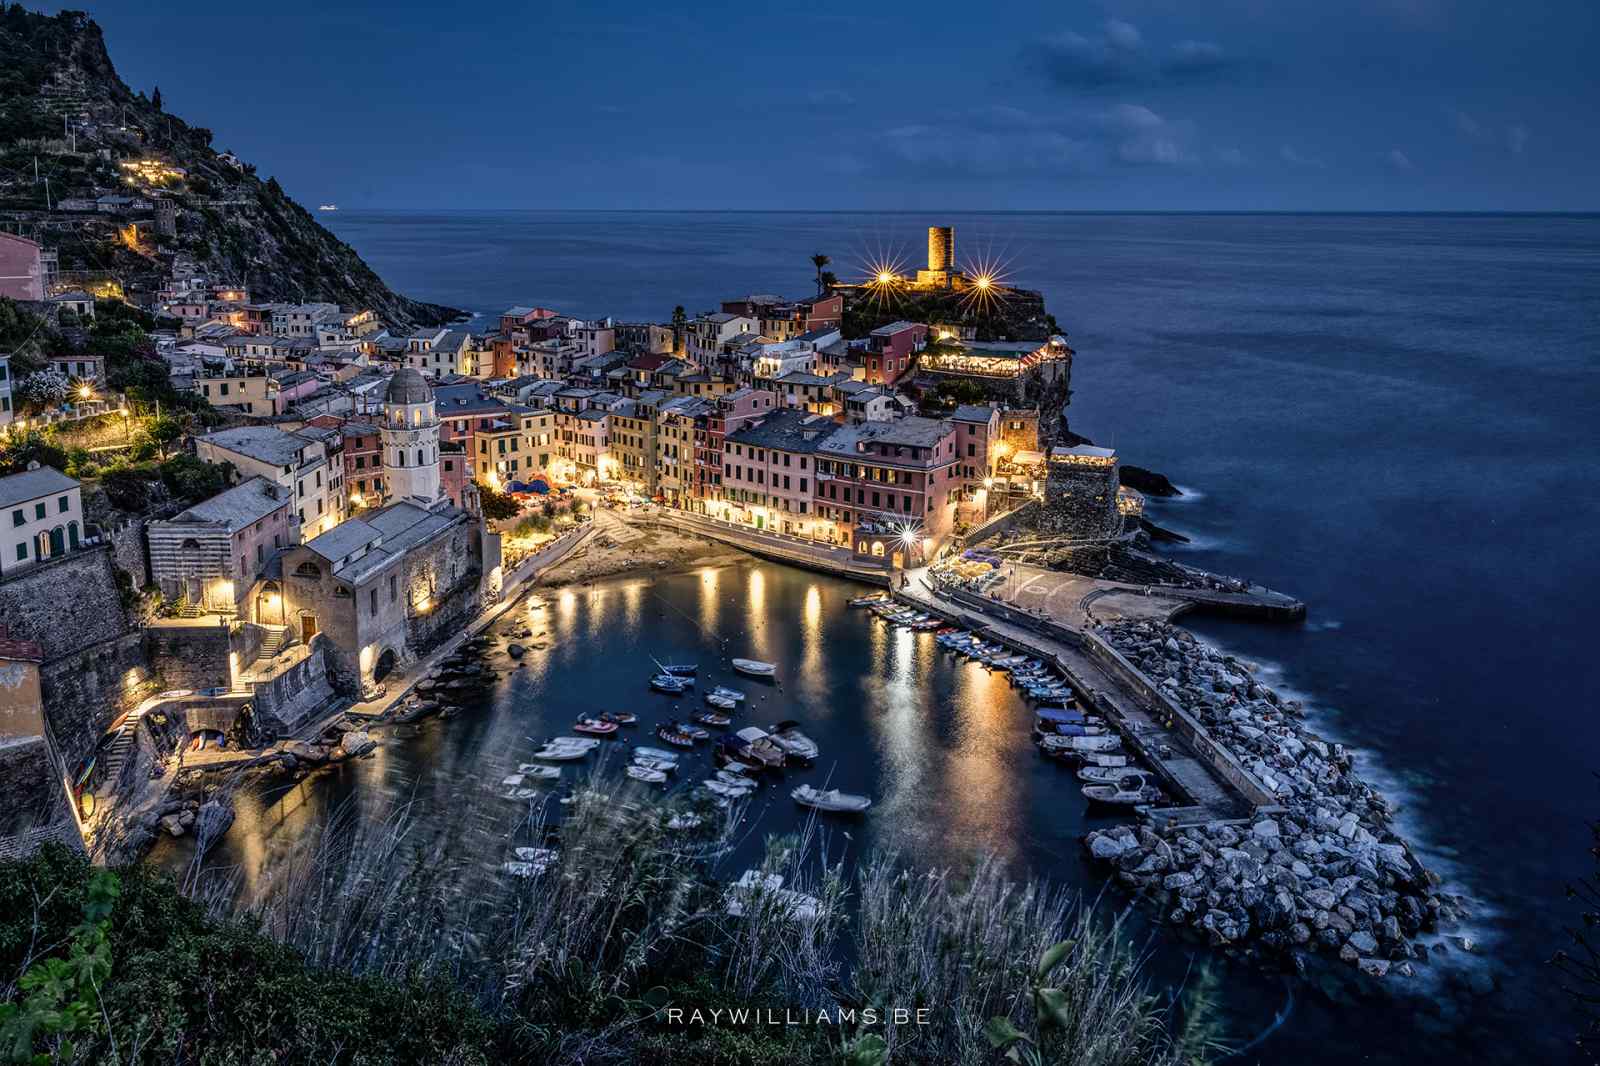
407, 387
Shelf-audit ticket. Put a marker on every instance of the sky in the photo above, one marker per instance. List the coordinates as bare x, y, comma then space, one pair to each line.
1165, 105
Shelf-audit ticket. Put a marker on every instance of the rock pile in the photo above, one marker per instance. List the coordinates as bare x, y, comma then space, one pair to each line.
1327, 873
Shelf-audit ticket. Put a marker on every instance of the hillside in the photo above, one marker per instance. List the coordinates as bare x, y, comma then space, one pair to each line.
71, 131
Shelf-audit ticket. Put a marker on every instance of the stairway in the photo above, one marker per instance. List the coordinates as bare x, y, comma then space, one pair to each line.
121, 747
272, 643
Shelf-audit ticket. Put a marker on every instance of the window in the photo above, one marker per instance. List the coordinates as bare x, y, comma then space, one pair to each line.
38, 510
22, 551
374, 601
394, 588
17, 517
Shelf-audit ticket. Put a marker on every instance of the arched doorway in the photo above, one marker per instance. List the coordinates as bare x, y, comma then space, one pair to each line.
72, 534
384, 666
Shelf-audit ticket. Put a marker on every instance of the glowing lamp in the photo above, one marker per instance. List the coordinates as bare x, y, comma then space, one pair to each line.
84, 392
984, 281
884, 277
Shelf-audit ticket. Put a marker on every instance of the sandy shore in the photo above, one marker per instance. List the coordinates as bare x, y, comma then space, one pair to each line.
621, 549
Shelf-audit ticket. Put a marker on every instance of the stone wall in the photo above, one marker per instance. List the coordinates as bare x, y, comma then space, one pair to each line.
288, 697
66, 603
189, 656
86, 691
1081, 502
129, 551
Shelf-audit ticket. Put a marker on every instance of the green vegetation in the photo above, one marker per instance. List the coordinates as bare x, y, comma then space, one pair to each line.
497, 506
366, 944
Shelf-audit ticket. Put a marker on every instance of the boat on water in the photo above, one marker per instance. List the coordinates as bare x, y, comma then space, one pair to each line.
754, 744
539, 773
724, 703
676, 737
754, 890
731, 778
656, 753
710, 718
1127, 776
327, 207
868, 601
671, 684
560, 753
795, 744
1117, 796
679, 669
724, 692
620, 717
685, 821
513, 780
646, 774
830, 799
649, 763
731, 791
521, 793
1100, 743
755, 667
595, 726
586, 743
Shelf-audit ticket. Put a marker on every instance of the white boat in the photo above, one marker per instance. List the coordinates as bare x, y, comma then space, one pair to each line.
327, 207
522, 794
732, 777
659, 754
755, 667
539, 773
649, 763
794, 743
722, 788
513, 781
760, 747
830, 799
1110, 775
1058, 743
722, 702
728, 693
681, 822
560, 753
753, 890
645, 773
1117, 796
586, 743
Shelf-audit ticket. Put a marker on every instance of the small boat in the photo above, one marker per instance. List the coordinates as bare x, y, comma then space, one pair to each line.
1117, 796
671, 684
645, 773
728, 693
1102, 743
795, 744
755, 745
719, 721
755, 889
522, 794
656, 753
560, 753
1111, 775
830, 799
513, 781
679, 669
730, 778
676, 737
721, 702
723, 788
619, 717
682, 822
595, 726
586, 743
755, 667
728, 760
868, 601
693, 732
327, 207
645, 762
539, 773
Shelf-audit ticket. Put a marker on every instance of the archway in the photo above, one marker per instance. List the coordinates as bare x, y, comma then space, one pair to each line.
384, 666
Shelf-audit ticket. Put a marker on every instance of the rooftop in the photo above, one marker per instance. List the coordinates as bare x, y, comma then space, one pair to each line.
32, 484
972, 412
268, 444
910, 432
786, 429
245, 503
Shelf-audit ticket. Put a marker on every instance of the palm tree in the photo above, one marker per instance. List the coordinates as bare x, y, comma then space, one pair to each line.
680, 321
819, 261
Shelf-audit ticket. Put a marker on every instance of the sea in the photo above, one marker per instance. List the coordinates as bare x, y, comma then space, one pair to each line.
1395, 418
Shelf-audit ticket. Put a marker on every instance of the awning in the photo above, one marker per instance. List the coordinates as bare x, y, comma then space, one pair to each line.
539, 485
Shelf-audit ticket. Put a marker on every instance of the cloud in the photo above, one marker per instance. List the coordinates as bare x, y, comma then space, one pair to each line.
830, 99
1009, 141
1517, 139
1399, 160
1467, 125
1118, 56
1294, 158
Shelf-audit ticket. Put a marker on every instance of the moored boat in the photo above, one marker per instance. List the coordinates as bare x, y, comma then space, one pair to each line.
754, 744
1117, 796
645, 773
595, 726
728, 693
710, 718
724, 703
656, 753
1100, 743
671, 684
674, 736
620, 717
795, 744
830, 799
755, 667
755, 889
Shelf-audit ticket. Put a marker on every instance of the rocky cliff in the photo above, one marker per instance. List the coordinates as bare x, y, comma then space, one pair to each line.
72, 131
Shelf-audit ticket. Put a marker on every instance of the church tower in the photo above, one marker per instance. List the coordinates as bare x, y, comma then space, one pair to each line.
410, 436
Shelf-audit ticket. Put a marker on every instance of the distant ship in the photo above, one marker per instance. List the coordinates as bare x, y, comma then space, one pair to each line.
327, 207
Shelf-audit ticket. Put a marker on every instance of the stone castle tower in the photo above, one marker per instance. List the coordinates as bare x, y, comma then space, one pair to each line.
410, 435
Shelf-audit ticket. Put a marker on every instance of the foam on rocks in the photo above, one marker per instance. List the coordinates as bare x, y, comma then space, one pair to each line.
1324, 873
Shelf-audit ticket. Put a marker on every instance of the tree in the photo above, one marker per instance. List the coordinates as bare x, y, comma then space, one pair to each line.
44, 388
155, 98
1579, 963
497, 506
820, 261
162, 432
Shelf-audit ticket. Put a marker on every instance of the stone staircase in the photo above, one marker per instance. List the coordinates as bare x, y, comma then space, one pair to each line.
122, 745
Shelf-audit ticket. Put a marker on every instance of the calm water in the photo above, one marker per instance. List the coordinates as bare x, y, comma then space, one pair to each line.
1393, 417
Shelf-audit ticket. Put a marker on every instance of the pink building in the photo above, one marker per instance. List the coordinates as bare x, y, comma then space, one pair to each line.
21, 268
210, 554
289, 388
977, 425
891, 488
890, 348
769, 473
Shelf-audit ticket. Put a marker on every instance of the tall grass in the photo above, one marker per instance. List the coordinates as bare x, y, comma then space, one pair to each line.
569, 958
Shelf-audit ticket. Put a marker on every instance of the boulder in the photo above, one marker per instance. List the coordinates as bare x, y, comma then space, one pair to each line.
1105, 846
213, 820
1363, 942
173, 824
